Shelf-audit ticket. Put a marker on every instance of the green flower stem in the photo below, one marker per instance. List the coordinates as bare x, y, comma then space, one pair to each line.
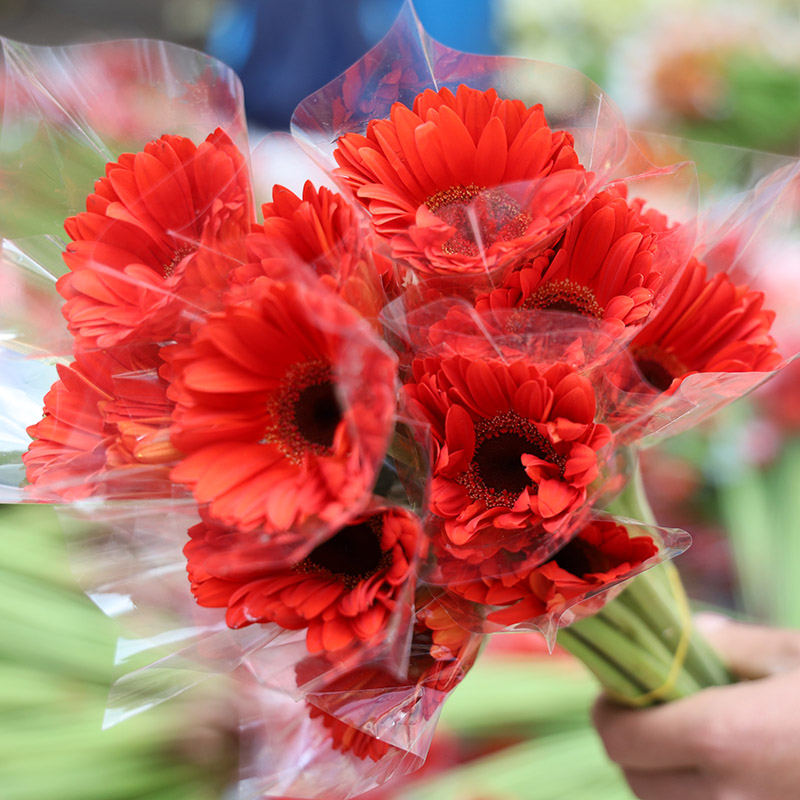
642, 645
610, 674
630, 622
54, 673
632, 500
664, 581
651, 671
653, 596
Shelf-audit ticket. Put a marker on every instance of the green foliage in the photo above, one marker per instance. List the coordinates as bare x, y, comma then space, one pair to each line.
55, 671
761, 509
761, 107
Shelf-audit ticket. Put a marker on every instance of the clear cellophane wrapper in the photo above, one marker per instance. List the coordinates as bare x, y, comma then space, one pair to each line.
327, 712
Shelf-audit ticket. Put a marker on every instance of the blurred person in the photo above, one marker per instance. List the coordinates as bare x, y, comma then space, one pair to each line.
737, 742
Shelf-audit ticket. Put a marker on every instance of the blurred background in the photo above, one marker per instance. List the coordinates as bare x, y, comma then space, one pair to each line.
517, 729
709, 69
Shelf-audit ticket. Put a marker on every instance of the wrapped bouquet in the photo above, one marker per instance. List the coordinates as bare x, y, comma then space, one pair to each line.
382, 412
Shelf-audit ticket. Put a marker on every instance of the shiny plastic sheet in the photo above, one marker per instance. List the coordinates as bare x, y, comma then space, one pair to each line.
519, 590
407, 61
66, 111
750, 236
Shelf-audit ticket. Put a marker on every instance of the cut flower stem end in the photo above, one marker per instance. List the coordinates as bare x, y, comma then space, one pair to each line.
642, 646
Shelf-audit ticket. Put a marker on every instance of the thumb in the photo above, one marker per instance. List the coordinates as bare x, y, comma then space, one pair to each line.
751, 651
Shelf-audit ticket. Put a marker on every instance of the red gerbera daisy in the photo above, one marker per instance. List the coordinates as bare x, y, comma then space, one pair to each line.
600, 556
105, 429
284, 405
361, 707
521, 590
439, 637
344, 591
324, 230
706, 325
512, 447
348, 739
139, 238
464, 182
608, 266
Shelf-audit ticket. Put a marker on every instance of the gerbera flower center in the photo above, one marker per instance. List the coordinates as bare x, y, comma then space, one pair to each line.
499, 461
565, 295
579, 558
481, 217
454, 196
350, 556
306, 412
658, 367
317, 413
496, 474
180, 254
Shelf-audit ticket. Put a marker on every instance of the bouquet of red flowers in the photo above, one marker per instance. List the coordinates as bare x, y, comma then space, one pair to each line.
390, 414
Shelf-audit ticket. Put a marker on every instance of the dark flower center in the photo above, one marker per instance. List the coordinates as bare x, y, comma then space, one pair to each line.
658, 367
304, 414
655, 373
317, 413
499, 461
565, 295
481, 217
351, 555
579, 558
496, 474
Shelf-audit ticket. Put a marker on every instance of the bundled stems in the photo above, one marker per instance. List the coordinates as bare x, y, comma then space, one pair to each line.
642, 645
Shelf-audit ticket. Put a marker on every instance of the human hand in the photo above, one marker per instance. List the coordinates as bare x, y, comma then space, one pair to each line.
738, 742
